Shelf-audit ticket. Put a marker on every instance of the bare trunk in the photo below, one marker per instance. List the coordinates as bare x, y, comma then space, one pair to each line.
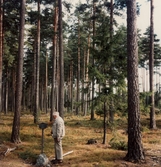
6, 92
13, 90
135, 149
104, 124
151, 70
83, 84
53, 92
33, 93
61, 61
46, 85
111, 110
78, 70
37, 107
1, 50
94, 34
71, 85
15, 137
57, 84
86, 73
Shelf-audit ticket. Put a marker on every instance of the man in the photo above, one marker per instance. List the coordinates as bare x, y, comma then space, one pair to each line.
58, 132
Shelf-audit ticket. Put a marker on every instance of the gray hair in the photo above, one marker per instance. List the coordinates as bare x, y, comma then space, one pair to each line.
56, 113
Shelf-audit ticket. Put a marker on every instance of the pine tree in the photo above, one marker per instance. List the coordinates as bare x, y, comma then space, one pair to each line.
135, 148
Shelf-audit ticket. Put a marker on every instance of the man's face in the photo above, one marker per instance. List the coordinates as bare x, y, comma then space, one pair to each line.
54, 116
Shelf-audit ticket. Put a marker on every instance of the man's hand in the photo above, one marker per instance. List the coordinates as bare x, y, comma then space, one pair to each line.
50, 123
57, 140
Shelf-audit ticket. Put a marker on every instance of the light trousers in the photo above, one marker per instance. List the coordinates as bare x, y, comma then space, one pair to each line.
58, 150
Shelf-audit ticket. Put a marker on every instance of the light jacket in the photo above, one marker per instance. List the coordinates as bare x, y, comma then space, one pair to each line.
58, 128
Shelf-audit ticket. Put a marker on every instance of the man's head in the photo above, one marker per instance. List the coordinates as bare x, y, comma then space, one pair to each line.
55, 115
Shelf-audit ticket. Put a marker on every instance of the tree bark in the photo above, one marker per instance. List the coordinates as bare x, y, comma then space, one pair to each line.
6, 88
1, 50
151, 70
46, 85
33, 91
13, 88
61, 61
104, 123
78, 70
94, 34
53, 92
15, 137
36, 109
135, 149
111, 110
71, 85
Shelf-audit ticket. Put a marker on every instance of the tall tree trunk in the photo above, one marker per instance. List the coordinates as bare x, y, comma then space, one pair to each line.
71, 85
151, 70
78, 70
135, 149
111, 21
111, 110
41, 95
104, 123
86, 73
61, 61
36, 110
15, 137
57, 84
46, 85
6, 92
33, 91
83, 84
1, 50
53, 92
13, 89
94, 34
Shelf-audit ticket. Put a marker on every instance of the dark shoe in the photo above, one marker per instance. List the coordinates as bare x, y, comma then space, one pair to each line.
54, 161
59, 161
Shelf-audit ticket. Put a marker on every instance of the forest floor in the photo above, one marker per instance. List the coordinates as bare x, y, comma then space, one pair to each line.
79, 130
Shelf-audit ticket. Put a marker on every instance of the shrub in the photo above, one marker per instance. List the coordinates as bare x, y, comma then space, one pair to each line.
118, 144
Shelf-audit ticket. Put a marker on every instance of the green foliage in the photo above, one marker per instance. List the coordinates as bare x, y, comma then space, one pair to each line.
119, 102
11, 29
99, 103
77, 104
144, 102
144, 129
118, 143
157, 97
118, 140
144, 49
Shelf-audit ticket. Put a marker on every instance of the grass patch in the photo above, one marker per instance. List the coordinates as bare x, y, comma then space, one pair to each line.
25, 155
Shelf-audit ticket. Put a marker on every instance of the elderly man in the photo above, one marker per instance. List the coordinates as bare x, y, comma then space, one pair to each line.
58, 132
